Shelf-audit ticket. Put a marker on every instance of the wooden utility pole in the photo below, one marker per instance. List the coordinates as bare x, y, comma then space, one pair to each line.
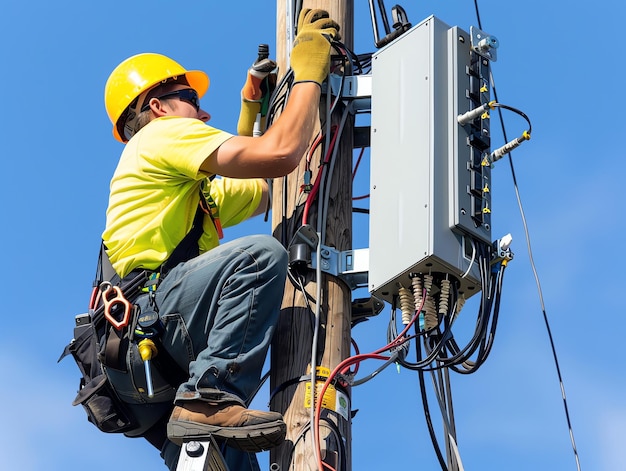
292, 346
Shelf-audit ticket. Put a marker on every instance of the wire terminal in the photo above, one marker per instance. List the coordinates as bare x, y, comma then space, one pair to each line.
502, 249
471, 115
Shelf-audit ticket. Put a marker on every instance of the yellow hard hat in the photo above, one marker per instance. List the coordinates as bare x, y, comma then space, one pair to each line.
140, 73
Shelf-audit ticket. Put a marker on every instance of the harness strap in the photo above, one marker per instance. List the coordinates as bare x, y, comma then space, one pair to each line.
115, 349
188, 247
208, 205
140, 280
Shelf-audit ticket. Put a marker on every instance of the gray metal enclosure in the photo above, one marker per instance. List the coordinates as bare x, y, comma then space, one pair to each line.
430, 196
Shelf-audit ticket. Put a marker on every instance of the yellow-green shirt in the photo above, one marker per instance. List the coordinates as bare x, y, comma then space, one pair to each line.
155, 193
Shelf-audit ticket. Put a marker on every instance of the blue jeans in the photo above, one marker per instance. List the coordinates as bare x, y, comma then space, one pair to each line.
220, 310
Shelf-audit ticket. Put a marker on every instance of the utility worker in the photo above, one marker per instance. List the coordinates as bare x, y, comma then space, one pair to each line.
218, 309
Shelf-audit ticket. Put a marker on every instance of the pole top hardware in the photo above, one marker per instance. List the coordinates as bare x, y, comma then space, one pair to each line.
484, 44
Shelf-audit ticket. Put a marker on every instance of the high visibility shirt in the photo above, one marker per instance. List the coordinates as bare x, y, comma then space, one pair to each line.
154, 193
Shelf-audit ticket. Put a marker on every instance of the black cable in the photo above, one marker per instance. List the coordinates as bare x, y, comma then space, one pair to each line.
365, 62
429, 422
515, 110
449, 406
360, 210
437, 342
526, 232
443, 393
264, 378
383, 14
277, 102
461, 355
343, 465
392, 360
374, 21
477, 14
494, 318
433, 353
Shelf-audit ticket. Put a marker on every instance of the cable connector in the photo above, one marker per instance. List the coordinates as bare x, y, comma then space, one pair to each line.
471, 115
307, 186
506, 148
502, 250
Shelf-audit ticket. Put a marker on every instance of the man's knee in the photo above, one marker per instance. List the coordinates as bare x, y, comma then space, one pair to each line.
270, 250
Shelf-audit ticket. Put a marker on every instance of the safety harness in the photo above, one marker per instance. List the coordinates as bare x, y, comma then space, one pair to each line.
103, 335
118, 307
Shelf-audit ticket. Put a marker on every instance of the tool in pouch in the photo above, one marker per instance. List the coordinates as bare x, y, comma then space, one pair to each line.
148, 328
119, 312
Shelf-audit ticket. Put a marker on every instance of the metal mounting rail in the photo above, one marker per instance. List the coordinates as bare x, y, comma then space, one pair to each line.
201, 456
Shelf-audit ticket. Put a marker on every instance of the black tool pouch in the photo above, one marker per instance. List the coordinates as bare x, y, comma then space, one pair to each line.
100, 351
104, 408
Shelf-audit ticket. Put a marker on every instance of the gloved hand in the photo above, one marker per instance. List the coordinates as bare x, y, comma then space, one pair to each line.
310, 56
260, 82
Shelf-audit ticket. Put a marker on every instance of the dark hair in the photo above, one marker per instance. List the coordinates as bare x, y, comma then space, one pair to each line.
144, 117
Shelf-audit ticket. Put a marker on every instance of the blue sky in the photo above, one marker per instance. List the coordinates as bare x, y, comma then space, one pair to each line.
562, 64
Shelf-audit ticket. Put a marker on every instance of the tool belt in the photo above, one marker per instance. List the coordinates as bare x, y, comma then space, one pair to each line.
102, 343
109, 392
96, 394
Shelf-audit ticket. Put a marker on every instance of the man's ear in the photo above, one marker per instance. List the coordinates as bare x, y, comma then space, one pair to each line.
156, 106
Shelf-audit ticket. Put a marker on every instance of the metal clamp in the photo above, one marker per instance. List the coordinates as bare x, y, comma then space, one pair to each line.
351, 266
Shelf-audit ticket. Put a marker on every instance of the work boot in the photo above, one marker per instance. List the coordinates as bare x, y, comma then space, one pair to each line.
241, 428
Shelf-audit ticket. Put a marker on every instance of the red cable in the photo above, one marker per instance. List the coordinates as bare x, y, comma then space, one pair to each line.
358, 162
342, 368
316, 185
318, 407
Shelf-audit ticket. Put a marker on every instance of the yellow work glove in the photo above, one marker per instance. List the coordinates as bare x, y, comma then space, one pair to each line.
260, 82
310, 56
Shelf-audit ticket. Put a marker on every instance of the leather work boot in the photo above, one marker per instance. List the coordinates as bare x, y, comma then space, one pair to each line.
241, 428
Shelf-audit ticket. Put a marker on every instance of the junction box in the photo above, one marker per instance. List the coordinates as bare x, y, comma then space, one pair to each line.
430, 194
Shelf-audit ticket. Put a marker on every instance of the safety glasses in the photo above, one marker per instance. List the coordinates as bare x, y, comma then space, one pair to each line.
187, 94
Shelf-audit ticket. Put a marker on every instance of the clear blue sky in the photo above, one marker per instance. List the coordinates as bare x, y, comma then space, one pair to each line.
562, 64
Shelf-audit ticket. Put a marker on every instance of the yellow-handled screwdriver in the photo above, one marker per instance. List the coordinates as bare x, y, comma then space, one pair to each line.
147, 351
